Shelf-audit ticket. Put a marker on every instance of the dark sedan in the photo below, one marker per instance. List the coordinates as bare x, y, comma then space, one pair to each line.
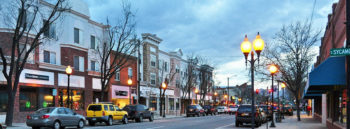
139, 112
55, 117
195, 110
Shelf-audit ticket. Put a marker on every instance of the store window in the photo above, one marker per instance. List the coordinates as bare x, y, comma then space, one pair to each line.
153, 103
153, 78
177, 104
3, 99
45, 98
171, 104
76, 97
28, 99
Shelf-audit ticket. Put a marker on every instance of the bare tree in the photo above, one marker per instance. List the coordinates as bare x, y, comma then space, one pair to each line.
291, 50
26, 36
190, 79
205, 77
165, 78
118, 47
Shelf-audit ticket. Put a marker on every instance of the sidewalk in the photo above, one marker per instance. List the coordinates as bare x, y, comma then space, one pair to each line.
157, 117
291, 122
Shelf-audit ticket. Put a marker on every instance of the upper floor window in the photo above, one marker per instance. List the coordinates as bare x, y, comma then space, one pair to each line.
166, 66
78, 36
152, 49
153, 60
24, 49
130, 72
153, 78
49, 57
78, 63
50, 31
94, 66
27, 18
117, 75
92, 42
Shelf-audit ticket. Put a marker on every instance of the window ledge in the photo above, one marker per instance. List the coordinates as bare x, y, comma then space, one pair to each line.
52, 66
94, 73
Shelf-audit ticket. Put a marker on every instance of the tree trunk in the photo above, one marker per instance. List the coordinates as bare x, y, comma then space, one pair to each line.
102, 96
10, 107
298, 107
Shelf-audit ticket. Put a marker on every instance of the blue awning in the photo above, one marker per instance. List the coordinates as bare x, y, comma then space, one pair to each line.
330, 72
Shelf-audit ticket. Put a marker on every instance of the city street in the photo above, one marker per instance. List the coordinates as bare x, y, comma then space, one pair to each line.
207, 122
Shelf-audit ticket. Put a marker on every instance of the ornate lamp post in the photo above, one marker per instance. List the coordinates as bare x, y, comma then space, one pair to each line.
246, 46
283, 85
215, 94
273, 70
129, 83
69, 72
196, 91
164, 87
240, 100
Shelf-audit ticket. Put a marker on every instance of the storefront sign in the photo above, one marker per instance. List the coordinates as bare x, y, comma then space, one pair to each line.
54, 92
121, 93
340, 51
36, 76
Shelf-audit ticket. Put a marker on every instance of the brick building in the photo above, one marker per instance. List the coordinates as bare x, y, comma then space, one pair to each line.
326, 84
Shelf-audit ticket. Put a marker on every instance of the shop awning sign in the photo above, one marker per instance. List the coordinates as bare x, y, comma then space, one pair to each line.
340, 51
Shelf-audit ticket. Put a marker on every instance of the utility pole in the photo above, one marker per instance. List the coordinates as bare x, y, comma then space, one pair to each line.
228, 91
347, 64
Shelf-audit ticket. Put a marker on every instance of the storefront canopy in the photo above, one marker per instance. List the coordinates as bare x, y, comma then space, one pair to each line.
329, 73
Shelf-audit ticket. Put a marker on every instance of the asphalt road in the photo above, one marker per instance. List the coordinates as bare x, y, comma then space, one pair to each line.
204, 122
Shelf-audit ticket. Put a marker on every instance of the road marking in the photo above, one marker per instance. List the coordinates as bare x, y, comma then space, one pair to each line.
155, 127
221, 127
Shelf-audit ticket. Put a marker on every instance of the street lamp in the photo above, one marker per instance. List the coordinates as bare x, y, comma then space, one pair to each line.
196, 91
215, 94
273, 70
283, 85
68, 72
129, 83
240, 100
246, 46
164, 87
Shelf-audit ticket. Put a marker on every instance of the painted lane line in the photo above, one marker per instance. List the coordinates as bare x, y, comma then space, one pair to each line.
221, 127
155, 127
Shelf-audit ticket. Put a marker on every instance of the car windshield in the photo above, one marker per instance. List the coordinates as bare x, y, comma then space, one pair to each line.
221, 107
129, 108
245, 109
95, 107
206, 107
192, 106
44, 111
232, 106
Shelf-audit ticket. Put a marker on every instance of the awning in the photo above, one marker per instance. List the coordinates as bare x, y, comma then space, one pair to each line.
329, 73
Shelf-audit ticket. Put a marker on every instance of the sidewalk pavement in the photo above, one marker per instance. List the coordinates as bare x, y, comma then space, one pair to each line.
291, 122
158, 117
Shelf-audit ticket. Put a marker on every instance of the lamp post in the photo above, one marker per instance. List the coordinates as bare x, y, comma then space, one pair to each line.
283, 85
246, 46
278, 103
68, 72
164, 87
215, 94
273, 70
239, 100
196, 91
129, 83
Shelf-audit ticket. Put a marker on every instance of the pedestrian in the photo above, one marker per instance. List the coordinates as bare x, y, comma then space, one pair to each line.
308, 110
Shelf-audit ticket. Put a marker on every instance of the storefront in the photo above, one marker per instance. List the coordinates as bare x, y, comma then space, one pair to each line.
326, 87
121, 95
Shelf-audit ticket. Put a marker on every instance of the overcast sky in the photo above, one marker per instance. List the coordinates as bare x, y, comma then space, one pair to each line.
215, 29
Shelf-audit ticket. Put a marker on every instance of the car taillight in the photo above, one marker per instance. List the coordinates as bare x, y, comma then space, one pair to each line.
45, 116
236, 114
28, 117
103, 113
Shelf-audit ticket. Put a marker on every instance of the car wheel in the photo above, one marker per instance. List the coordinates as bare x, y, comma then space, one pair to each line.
125, 120
151, 118
35, 127
81, 124
57, 125
187, 115
140, 119
110, 121
237, 124
91, 123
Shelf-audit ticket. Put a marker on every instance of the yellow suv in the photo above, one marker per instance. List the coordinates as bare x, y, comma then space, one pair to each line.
105, 112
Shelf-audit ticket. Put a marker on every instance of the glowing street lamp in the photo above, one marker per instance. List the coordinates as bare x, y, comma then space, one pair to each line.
129, 81
283, 85
246, 48
273, 70
69, 71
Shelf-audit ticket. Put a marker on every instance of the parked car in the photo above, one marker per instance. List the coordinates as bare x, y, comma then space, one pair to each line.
264, 118
139, 112
221, 109
288, 110
55, 117
195, 110
233, 109
105, 112
267, 110
244, 115
209, 110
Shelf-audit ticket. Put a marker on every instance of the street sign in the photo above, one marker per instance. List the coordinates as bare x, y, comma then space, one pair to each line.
340, 51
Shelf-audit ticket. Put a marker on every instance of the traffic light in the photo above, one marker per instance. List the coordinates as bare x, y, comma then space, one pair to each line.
257, 91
